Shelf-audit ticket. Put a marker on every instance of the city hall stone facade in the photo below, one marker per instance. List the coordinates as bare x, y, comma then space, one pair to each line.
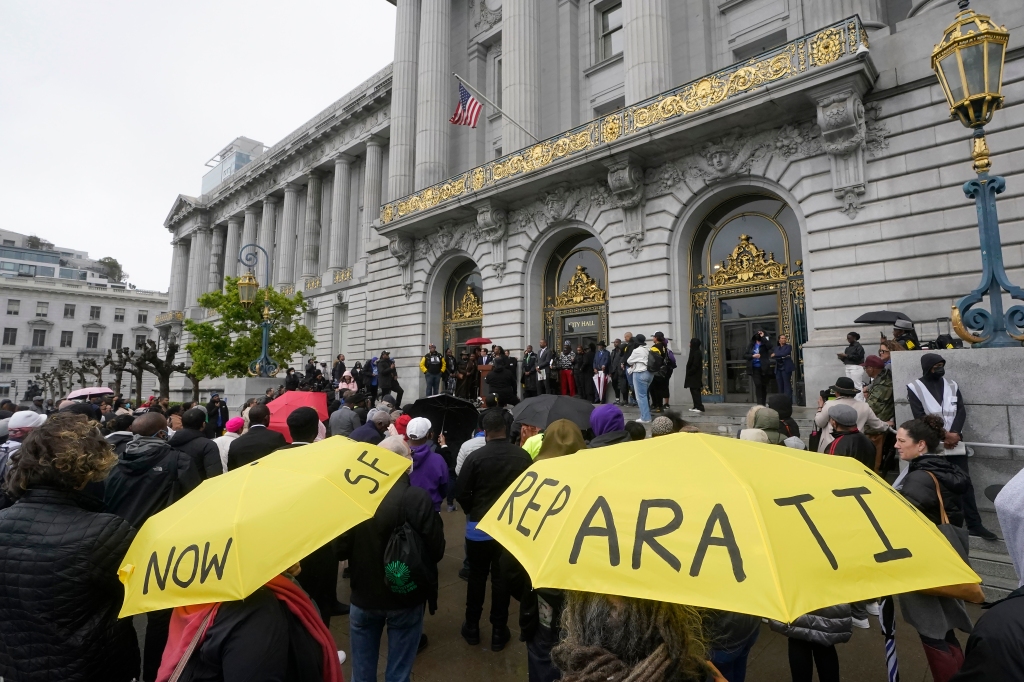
702, 169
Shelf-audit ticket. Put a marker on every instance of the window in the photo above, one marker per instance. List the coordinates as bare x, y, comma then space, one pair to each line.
69, 311
92, 340
118, 314
5, 391
6, 364
66, 338
10, 336
140, 341
38, 337
94, 312
497, 152
35, 365
611, 32
42, 309
8, 242
13, 306
497, 83
116, 341
143, 316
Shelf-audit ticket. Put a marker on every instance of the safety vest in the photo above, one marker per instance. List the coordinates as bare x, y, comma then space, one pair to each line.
947, 410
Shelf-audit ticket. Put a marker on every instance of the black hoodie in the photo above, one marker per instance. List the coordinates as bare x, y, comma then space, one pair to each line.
936, 386
919, 488
149, 477
783, 404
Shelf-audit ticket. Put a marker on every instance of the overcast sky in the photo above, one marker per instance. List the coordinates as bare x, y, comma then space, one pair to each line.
110, 108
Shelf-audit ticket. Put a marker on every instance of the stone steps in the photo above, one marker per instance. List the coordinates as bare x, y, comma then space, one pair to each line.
992, 562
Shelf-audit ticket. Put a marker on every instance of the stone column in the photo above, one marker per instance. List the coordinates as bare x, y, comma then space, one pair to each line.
266, 239
190, 271
216, 280
179, 275
232, 246
286, 240
250, 228
199, 265
404, 75
568, 63
434, 96
340, 208
476, 72
311, 245
520, 72
371, 187
647, 51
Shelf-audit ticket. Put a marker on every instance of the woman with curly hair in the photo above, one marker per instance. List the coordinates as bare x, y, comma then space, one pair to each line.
59, 555
631, 640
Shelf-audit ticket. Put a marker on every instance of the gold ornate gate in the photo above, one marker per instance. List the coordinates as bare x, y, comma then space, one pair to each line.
581, 309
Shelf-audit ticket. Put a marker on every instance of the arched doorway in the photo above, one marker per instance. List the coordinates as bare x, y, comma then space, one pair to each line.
576, 293
463, 307
745, 279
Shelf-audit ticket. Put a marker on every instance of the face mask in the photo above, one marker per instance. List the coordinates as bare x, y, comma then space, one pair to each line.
938, 371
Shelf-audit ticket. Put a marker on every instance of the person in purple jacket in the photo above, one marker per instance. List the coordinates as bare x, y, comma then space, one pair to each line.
429, 469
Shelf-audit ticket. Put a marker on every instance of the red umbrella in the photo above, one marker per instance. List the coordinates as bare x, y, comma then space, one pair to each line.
478, 342
281, 407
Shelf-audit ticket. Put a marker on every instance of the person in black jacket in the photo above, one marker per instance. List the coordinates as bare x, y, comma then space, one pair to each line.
918, 441
258, 441
694, 377
484, 476
217, 413
849, 442
191, 439
783, 404
502, 381
759, 365
387, 375
377, 601
120, 435
59, 555
150, 476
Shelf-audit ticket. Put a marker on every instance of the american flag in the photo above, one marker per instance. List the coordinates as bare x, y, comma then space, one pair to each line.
468, 111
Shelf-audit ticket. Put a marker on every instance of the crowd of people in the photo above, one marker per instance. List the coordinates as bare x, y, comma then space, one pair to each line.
78, 482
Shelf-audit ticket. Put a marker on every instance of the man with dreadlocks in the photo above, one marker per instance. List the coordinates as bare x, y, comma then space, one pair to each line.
621, 639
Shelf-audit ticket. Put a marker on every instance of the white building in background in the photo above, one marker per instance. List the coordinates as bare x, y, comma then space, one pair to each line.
55, 305
702, 169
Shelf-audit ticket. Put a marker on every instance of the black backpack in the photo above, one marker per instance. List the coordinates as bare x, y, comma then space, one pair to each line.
656, 363
405, 565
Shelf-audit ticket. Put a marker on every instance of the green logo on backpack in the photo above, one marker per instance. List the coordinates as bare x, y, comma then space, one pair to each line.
399, 577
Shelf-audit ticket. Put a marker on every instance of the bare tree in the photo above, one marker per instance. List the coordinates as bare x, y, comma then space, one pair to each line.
95, 367
161, 367
118, 366
49, 380
63, 372
136, 369
80, 371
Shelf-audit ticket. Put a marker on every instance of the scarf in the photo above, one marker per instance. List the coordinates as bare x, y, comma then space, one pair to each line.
594, 664
186, 620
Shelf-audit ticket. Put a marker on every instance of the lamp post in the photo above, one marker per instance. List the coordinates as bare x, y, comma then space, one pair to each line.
968, 62
248, 286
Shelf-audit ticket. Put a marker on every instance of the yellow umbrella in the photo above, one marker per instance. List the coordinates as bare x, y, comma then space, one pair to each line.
236, 531
720, 523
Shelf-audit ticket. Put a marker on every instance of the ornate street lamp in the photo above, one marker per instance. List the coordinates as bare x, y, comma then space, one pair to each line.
968, 62
248, 285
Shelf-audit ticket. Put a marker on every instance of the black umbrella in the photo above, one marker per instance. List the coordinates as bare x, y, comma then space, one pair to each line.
881, 317
541, 410
454, 417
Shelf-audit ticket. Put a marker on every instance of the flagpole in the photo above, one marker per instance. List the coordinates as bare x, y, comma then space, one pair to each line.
480, 95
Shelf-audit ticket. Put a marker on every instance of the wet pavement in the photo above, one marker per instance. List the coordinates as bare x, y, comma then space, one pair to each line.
448, 657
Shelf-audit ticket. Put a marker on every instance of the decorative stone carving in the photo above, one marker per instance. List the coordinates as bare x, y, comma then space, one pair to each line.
729, 155
626, 183
843, 137
492, 226
403, 248
487, 17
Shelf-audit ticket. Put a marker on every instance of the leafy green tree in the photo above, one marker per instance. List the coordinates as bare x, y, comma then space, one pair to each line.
226, 346
115, 273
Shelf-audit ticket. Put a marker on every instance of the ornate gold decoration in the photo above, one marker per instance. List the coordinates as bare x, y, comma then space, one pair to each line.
342, 275
979, 152
962, 331
611, 129
582, 288
170, 316
288, 290
312, 283
864, 38
747, 263
827, 46
468, 308
799, 268
700, 301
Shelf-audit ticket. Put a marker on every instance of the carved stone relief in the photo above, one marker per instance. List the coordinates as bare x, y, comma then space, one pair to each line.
626, 184
403, 248
487, 17
492, 226
844, 135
